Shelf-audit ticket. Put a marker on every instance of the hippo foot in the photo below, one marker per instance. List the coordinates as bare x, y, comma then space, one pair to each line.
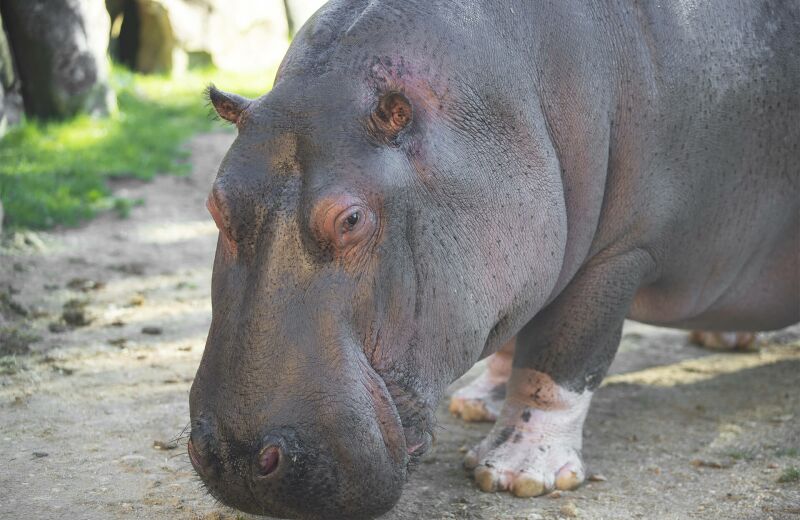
479, 401
482, 399
535, 444
524, 464
743, 341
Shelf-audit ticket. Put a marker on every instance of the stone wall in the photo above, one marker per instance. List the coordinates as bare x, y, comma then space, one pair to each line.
60, 51
235, 35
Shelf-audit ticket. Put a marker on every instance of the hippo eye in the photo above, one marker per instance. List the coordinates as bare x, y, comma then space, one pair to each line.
349, 224
351, 221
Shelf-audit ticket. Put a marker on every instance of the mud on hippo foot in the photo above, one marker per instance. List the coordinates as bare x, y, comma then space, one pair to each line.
512, 460
741, 341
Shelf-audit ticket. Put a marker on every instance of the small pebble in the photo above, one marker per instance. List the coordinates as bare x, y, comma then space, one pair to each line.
153, 331
162, 445
569, 510
137, 300
57, 327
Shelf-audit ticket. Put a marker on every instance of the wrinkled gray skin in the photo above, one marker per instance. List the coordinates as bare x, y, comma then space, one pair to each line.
567, 164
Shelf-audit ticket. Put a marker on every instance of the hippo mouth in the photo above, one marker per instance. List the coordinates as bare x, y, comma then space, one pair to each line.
398, 418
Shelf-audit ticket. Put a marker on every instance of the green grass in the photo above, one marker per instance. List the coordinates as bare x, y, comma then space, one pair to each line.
743, 454
787, 452
55, 173
789, 475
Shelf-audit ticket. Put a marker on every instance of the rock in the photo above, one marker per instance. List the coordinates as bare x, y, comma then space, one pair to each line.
158, 49
59, 48
57, 327
171, 35
153, 331
74, 313
164, 445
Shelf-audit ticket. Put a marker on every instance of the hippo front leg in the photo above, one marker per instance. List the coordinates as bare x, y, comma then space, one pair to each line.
561, 357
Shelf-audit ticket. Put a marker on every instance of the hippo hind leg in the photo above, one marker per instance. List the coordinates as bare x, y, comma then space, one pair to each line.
738, 341
482, 399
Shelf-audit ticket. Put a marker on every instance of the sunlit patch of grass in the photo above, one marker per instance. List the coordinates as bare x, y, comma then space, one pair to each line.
55, 173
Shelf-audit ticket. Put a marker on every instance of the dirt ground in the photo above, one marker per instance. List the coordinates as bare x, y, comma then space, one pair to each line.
102, 328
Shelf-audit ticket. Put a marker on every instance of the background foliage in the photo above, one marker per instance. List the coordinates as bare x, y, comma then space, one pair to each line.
56, 173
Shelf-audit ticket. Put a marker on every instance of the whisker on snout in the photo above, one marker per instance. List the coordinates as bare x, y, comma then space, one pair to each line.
184, 433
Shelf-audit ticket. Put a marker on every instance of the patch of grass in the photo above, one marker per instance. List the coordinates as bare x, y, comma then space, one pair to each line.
16, 341
123, 206
744, 454
787, 452
10, 365
791, 474
55, 173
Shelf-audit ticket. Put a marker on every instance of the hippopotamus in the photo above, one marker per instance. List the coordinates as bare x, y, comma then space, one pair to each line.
429, 183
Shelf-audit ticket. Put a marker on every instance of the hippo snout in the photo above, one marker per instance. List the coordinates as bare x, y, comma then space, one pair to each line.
286, 476
311, 469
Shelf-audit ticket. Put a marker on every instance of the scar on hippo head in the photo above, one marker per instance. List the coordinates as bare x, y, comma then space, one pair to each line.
229, 107
391, 116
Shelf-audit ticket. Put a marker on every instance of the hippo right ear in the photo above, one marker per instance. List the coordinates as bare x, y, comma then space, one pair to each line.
230, 107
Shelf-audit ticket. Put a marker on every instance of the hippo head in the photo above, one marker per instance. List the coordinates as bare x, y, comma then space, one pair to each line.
383, 224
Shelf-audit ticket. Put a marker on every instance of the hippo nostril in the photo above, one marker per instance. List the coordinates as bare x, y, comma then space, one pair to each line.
268, 459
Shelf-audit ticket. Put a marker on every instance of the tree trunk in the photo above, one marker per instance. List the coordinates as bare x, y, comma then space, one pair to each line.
10, 98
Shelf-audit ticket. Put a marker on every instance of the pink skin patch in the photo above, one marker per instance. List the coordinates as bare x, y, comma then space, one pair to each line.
221, 221
535, 444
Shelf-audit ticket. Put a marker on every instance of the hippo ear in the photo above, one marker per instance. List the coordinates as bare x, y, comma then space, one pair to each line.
229, 106
392, 115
